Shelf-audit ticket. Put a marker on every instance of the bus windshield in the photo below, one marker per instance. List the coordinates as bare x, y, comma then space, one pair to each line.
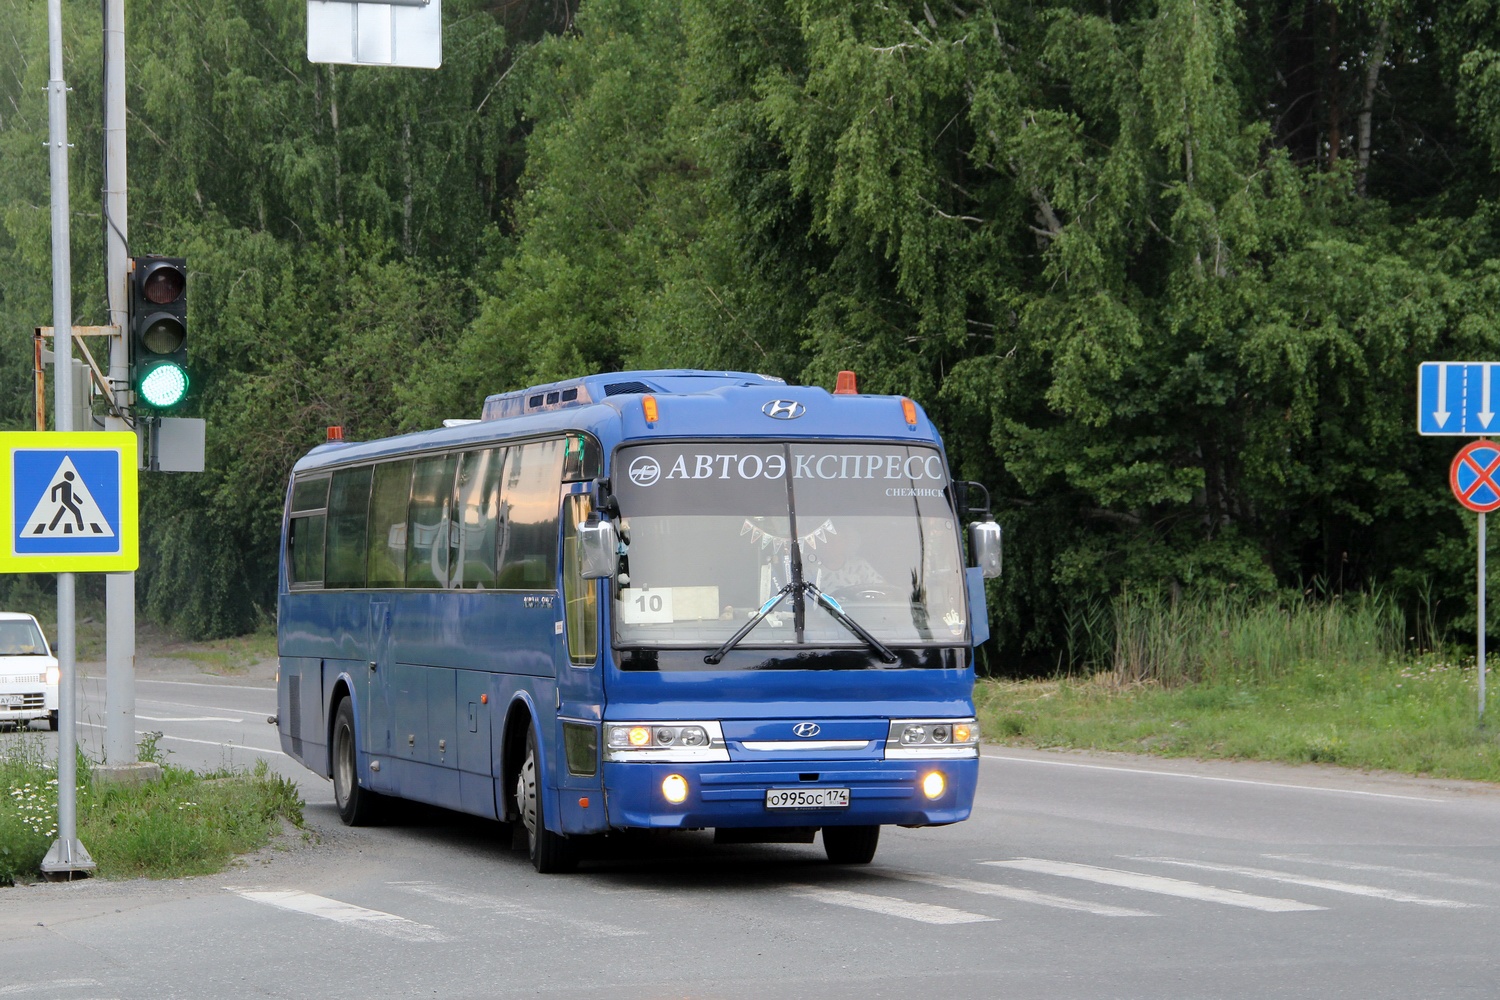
715, 531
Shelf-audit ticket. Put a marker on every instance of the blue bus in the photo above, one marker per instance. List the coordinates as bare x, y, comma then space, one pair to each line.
641, 600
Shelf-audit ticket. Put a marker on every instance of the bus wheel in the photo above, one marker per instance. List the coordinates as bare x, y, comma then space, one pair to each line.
357, 806
550, 852
850, 845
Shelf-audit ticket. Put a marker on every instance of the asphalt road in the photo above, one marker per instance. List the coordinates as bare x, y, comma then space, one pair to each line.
1078, 876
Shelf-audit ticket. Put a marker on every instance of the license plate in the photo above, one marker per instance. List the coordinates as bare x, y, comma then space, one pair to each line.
10, 700
807, 798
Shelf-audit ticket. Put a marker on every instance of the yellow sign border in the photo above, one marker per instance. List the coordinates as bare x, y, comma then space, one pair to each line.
125, 445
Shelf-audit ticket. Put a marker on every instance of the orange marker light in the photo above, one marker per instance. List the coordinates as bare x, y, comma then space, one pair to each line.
648, 407
847, 385
484, 699
909, 411
583, 803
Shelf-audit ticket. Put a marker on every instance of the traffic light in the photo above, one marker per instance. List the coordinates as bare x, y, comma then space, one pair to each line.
158, 330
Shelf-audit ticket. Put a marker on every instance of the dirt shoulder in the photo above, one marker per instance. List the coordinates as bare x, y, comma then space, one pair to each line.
242, 661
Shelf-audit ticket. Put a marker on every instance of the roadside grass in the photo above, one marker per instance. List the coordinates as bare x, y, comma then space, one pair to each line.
1293, 680
185, 824
228, 656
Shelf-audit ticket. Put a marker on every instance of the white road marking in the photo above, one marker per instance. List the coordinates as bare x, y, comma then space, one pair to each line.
200, 684
345, 913
1352, 888
188, 718
1355, 866
1015, 893
1207, 777
15, 989
890, 906
209, 743
1156, 884
509, 908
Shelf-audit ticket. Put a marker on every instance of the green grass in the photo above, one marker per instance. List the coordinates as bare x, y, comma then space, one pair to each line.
185, 824
228, 656
1416, 716
1288, 679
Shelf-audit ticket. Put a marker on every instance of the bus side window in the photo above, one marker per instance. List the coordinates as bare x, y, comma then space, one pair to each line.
473, 545
386, 551
528, 543
580, 595
427, 522
348, 509
305, 535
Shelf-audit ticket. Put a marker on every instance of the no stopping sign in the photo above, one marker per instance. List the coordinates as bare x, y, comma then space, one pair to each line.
1475, 476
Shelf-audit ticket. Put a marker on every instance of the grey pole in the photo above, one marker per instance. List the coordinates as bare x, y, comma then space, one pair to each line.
1482, 619
67, 855
119, 588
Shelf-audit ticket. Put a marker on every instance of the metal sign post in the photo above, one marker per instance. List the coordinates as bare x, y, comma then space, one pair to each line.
67, 856
1475, 479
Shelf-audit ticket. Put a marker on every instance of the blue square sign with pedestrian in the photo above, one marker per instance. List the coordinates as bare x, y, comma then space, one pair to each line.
70, 502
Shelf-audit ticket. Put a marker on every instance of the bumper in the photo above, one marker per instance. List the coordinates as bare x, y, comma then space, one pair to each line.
733, 794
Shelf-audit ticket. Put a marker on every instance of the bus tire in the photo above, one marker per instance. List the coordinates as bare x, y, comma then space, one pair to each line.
850, 845
550, 852
357, 806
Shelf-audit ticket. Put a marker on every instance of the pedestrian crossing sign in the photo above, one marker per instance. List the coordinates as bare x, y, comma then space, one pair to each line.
68, 502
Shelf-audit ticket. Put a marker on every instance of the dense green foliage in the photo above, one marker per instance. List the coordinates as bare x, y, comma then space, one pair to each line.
1162, 271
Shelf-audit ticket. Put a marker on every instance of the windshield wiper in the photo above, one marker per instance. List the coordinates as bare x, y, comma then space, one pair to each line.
842, 617
755, 620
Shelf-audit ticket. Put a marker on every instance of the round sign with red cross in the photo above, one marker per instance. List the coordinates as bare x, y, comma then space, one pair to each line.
1475, 476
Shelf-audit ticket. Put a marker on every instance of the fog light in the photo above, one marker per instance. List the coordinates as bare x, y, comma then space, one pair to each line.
675, 788
932, 785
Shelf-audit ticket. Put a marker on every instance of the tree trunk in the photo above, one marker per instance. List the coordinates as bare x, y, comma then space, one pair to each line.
1367, 102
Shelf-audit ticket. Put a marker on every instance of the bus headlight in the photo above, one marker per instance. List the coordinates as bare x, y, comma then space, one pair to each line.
932, 739
675, 788
664, 742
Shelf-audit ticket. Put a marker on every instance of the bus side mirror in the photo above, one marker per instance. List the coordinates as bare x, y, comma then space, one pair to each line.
985, 548
599, 548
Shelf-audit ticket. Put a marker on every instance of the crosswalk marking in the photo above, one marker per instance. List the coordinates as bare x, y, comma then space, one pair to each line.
1356, 866
1353, 888
509, 908
1155, 883
344, 913
1016, 893
927, 913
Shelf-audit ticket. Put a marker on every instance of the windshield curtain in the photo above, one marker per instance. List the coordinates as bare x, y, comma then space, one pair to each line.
714, 531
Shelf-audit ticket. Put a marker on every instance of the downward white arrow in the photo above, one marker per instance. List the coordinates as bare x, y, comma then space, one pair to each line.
1485, 414
1441, 414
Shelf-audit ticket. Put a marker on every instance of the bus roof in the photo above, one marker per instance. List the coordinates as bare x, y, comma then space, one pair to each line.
690, 404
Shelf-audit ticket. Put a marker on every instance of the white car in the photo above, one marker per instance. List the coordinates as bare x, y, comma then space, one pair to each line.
28, 672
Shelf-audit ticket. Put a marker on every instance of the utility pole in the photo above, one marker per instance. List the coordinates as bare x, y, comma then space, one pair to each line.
67, 856
119, 588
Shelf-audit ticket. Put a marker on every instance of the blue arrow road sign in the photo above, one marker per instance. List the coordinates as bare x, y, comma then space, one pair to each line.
1458, 398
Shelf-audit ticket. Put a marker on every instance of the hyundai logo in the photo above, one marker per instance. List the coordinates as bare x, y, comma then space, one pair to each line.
807, 730
783, 409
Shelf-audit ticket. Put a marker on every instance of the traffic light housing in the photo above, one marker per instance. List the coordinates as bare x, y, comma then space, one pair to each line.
158, 330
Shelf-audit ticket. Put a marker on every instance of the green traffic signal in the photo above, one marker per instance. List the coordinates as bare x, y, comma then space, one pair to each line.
158, 330
163, 385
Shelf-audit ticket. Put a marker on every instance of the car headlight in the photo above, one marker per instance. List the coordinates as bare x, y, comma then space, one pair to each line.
664, 741
929, 739
54, 675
